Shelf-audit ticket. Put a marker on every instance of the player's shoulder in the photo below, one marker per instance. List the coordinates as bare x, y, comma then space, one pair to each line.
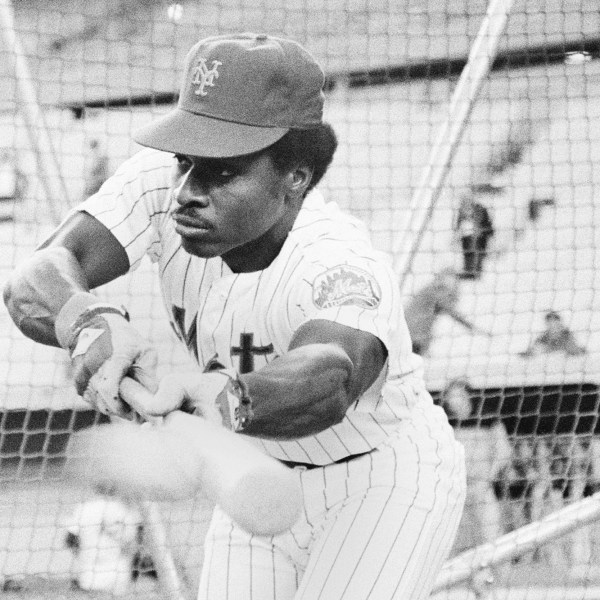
326, 232
146, 164
143, 180
331, 251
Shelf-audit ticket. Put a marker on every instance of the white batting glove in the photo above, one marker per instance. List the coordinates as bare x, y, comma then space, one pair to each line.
104, 348
218, 396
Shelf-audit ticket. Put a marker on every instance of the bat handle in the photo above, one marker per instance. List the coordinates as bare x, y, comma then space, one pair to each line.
137, 397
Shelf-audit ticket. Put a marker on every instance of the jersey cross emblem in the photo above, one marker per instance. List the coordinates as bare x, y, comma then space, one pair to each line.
204, 77
247, 350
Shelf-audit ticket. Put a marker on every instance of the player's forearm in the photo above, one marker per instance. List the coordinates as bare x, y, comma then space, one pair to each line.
38, 289
300, 393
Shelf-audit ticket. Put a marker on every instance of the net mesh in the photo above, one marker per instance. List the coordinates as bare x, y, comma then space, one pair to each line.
513, 235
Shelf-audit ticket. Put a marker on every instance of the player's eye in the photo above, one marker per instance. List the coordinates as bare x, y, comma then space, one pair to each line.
220, 170
183, 161
226, 173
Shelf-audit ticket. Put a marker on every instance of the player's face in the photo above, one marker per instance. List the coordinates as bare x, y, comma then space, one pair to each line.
237, 208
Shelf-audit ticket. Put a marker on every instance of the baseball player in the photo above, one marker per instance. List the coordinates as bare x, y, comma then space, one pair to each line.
294, 319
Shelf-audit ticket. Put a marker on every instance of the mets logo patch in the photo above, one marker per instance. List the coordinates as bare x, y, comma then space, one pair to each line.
346, 285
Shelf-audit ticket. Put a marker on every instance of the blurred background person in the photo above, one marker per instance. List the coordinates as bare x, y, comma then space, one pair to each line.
524, 487
96, 172
474, 227
440, 296
571, 470
13, 184
557, 337
488, 454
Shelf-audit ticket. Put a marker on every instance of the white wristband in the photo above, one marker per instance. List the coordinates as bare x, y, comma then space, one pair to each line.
73, 307
79, 309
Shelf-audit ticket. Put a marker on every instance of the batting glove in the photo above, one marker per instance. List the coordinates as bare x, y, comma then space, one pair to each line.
218, 396
104, 348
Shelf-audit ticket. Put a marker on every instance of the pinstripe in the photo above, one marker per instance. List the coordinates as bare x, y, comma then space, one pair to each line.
213, 333
204, 354
449, 533
290, 272
139, 201
209, 543
408, 512
456, 477
228, 577
177, 249
184, 282
441, 550
421, 529
381, 516
250, 587
337, 435
331, 459
257, 290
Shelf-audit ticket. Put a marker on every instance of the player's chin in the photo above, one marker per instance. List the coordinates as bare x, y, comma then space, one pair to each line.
202, 249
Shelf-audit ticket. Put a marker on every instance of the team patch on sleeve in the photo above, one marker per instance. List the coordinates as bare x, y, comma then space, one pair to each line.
346, 285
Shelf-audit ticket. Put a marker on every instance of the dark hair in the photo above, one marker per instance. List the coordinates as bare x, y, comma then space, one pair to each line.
552, 315
314, 147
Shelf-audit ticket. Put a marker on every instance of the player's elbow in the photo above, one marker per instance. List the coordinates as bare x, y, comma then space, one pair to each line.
12, 299
39, 328
29, 315
338, 406
7, 292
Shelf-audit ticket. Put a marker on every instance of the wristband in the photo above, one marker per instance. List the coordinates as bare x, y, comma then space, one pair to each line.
84, 332
76, 312
98, 309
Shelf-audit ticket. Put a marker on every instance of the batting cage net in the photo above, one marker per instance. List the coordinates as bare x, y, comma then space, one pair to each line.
468, 143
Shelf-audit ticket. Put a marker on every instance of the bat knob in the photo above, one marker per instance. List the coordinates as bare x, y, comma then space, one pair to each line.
272, 501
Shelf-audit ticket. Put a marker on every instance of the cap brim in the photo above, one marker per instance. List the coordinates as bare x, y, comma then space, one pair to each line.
183, 132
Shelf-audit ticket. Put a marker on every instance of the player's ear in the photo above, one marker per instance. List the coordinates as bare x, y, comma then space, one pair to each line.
300, 179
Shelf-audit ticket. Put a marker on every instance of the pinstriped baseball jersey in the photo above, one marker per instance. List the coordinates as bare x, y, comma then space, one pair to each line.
326, 269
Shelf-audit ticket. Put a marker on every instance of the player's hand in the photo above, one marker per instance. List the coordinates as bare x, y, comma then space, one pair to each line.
104, 347
218, 396
191, 391
116, 350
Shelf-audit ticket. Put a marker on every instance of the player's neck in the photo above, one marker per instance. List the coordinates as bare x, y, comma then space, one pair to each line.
258, 254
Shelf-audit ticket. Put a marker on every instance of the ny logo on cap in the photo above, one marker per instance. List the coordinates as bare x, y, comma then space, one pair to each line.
202, 76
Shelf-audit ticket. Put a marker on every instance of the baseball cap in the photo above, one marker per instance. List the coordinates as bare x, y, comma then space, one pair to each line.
240, 93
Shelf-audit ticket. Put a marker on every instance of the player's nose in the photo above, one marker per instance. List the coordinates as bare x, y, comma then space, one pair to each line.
189, 188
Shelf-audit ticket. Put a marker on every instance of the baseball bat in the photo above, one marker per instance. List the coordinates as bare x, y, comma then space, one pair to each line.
186, 455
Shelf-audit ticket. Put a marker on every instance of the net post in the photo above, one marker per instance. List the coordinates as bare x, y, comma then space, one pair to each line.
462, 568
161, 555
33, 117
481, 57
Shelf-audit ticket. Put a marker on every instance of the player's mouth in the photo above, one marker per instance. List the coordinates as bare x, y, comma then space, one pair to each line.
188, 224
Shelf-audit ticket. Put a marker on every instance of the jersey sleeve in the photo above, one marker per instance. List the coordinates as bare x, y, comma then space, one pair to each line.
134, 202
361, 292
